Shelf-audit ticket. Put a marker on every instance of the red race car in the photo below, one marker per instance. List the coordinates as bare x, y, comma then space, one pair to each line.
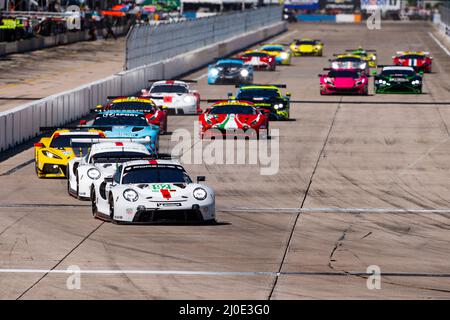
234, 118
339, 81
260, 60
420, 61
154, 114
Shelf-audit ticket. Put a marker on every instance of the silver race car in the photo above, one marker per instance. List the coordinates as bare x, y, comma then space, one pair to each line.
176, 95
152, 191
100, 161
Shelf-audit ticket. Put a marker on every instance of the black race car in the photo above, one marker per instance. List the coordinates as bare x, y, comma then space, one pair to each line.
230, 71
396, 79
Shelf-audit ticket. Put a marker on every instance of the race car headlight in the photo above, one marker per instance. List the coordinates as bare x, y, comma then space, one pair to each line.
416, 82
278, 106
48, 154
214, 72
244, 72
335, 65
328, 81
189, 99
363, 65
200, 194
284, 55
374, 58
130, 195
94, 174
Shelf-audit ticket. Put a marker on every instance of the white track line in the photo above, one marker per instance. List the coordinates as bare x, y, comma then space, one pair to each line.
201, 77
335, 210
224, 273
439, 43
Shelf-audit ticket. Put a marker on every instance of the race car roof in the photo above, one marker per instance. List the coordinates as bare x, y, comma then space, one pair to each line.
223, 61
152, 162
119, 146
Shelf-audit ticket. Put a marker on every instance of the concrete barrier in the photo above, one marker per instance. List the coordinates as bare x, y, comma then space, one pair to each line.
23, 122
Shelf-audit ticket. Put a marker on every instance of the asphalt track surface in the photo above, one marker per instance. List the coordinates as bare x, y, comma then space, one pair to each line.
362, 181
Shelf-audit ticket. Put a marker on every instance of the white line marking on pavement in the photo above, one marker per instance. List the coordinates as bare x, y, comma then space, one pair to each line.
439, 43
335, 210
283, 36
201, 77
225, 273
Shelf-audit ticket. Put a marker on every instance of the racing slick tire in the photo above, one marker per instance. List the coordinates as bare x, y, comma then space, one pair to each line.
111, 208
93, 204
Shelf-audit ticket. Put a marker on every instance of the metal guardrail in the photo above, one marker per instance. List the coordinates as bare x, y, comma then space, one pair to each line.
148, 44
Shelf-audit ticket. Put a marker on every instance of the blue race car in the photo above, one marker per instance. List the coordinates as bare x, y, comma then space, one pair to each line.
230, 71
126, 124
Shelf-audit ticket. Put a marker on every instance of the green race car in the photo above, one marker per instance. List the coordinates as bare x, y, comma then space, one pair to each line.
269, 97
368, 55
395, 79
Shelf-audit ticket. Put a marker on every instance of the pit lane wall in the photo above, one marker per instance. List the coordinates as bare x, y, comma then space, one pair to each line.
442, 21
22, 123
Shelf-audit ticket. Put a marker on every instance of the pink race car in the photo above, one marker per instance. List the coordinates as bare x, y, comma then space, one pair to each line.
344, 81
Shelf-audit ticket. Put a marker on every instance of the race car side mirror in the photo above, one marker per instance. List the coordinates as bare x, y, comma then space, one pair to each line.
99, 106
83, 122
201, 178
288, 94
229, 94
164, 107
374, 72
421, 72
109, 180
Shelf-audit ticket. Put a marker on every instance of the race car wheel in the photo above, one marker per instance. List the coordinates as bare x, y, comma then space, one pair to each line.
111, 208
94, 205
78, 188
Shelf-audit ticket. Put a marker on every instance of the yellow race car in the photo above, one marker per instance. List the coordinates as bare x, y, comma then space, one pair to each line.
306, 47
281, 54
368, 55
53, 153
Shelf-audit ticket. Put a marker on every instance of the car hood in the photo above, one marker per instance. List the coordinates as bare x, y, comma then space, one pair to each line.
230, 121
344, 82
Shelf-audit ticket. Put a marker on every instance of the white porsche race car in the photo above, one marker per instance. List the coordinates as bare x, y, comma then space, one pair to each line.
152, 191
176, 95
100, 161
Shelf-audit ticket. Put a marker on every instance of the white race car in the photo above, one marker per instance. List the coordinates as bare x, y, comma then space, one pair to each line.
100, 161
176, 95
152, 191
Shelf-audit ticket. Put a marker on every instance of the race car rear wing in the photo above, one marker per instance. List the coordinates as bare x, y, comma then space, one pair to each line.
184, 80
368, 50
78, 128
262, 85
100, 140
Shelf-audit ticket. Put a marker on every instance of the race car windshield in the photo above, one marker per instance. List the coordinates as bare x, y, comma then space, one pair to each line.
156, 174
230, 65
233, 109
412, 56
169, 89
116, 120
351, 59
131, 105
117, 156
249, 94
343, 74
305, 42
63, 141
398, 73
279, 49
256, 54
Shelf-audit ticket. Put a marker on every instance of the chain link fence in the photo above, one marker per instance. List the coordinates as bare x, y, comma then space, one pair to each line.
445, 13
148, 44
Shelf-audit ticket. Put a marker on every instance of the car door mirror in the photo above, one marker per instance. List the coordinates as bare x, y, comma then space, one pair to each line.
201, 179
288, 94
109, 180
